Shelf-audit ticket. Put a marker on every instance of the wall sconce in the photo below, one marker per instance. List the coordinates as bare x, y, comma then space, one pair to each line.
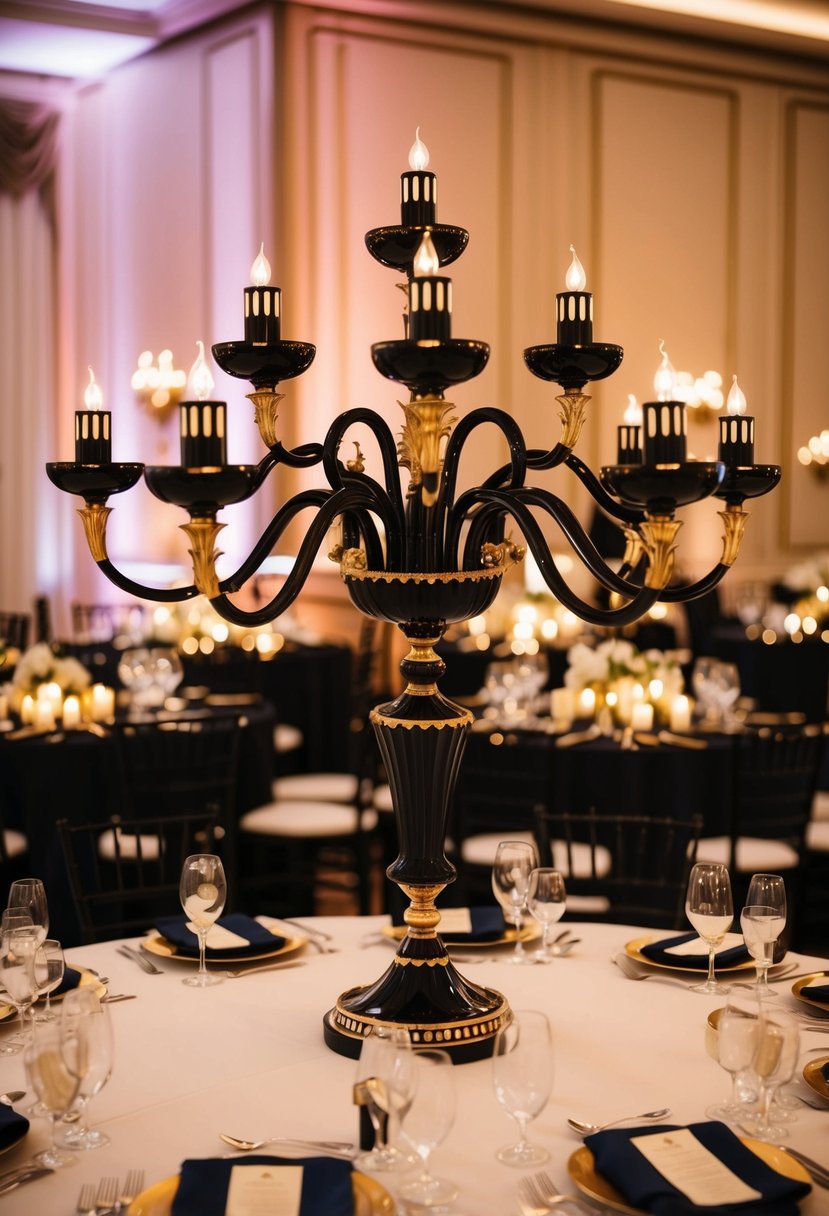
158, 389
703, 396
815, 454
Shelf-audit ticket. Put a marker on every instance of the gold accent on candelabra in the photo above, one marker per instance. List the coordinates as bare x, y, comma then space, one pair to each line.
734, 520
202, 533
266, 403
500, 557
418, 449
422, 651
572, 415
633, 548
658, 536
357, 464
421, 916
378, 719
94, 516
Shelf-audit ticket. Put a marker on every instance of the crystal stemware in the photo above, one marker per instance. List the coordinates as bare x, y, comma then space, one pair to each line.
775, 1055
761, 928
86, 1021
385, 1084
514, 862
202, 891
30, 894
51, 1068
547, 901
710, 909
522, 1061
737, 1031
49, 970
18, 947
426, 1125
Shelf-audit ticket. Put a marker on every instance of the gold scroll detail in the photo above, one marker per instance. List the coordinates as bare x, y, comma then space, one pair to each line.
633, 548
94, 516
202, 535
500, 557
419, 448
266, 403
658, 536
378, 719
422, 651
734, 520
421, 916
572, 414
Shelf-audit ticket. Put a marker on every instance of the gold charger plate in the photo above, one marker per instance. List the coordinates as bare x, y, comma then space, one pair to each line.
370, 1198
815, 1079
156, 944
229, 699
634, 950
396, 933
799, 985
87, 980
582, 1169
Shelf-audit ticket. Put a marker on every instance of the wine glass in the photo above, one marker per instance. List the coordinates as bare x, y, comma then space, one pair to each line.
86, 1021
386, 1082
726, 690
51, 1063
522, 1063
702, 681
426, 1125
775, 1055
18, 947
202, 891
770, 891
547, 901
709, 908
761, 928
30, 894
514, 862
737, 1031
49, 969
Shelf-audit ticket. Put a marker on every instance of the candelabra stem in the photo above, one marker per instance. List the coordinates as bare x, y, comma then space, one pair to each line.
202, 533
734, 522
658, 536
265, 405
572, 413
94, 517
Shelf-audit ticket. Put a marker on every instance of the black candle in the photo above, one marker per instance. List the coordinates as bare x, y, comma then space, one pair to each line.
736, 431
93, 443
629, 443
574, 307
430, 297
263, 304
418, 189
203, 423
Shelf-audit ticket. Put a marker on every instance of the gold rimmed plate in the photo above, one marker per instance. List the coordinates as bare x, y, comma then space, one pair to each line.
582, 1169
370, 1198
396, 933
87, 980
633, 950
804, 981
814, 1078
156, 944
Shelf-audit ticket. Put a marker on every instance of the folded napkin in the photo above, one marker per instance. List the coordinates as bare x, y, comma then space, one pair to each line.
13, 1127
816, 992
71, 979
643, 1186
249, 939
486, 924
669, 952
326, 1185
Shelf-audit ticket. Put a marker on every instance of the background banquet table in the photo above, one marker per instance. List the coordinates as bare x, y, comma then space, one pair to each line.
247, 1057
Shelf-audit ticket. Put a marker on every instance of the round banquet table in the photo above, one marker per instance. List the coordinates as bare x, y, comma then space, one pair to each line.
247, 1057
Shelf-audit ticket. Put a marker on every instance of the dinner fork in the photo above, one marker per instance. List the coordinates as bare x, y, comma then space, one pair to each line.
133, 1187
107, 1196
86, 1201
138, 957
538, 1196
631, 971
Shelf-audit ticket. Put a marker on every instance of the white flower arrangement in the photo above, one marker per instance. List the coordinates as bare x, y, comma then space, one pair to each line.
40, 665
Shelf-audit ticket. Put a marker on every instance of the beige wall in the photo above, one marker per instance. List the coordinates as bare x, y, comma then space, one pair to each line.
692, 179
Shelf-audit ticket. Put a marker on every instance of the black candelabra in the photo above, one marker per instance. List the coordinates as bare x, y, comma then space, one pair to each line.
429, 554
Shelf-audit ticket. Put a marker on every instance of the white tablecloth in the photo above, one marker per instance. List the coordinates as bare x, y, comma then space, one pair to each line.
248, 1057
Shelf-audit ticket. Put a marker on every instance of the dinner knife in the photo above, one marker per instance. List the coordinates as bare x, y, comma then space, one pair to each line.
17, 1178
818, 1172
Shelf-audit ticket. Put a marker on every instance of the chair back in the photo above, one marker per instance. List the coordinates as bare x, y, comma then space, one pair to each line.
182, 767
15, 628
650, 858
125, 872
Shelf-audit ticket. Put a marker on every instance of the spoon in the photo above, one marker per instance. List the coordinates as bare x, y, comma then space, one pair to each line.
341, 1147
587, 1129
12, 1096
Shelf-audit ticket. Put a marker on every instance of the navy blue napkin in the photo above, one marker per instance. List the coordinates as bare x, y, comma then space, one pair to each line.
816, 992
71, 979
262, 941
13, 1127
326, 1185
488, 925
657, 952
642, 1186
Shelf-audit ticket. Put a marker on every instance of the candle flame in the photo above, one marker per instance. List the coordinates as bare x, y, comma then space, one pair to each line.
736, 398
426, 259
260, 271
200, 381
93, 398
633, 413
418, 153
575, 279
664, 379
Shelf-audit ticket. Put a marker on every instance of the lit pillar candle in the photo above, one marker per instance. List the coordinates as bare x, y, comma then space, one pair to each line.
629, 446
71, 713
574, 307
430, 297
587, 703
562, 705
263, 304
27, 709
93, 444
665, 423
418, 189
642, 716
203, 422
736, 430
680, 713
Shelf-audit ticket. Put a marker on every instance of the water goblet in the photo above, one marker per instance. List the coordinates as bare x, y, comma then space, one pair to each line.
426, 1125
385, 1084
49, 970
775, 1055
726, 690
87, 1023
18, 947
50, 1063
709, 908
202, 891
769, 890
737, 1031
547, 901
761, 928
522, 1062
702, 681
30, 894
514, 862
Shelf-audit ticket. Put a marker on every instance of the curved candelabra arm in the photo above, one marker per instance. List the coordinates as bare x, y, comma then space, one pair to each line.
303, 457
734, 522
94, 516
351, 474
628, 515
